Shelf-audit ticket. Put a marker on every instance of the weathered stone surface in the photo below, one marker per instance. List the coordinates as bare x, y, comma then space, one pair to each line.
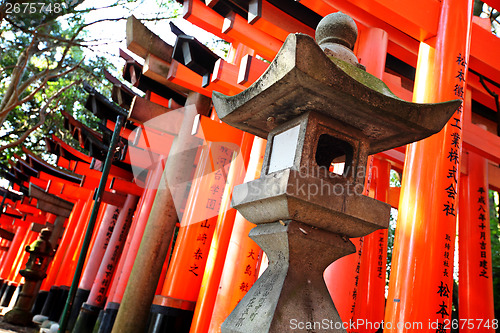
287, 194
292, 288
41, 253
302, 78
336, 34
318, 113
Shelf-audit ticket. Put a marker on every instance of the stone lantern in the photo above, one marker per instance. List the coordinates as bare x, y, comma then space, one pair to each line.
320, 111
40, 255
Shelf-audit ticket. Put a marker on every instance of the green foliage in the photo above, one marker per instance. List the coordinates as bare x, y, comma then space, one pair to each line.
395, 181
495, 248
482, 9
42, 55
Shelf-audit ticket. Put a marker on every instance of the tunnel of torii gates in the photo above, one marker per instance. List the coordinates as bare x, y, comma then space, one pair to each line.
135, 255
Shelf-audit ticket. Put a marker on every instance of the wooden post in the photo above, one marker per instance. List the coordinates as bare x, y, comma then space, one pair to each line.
422, 258
475, 290
134, 309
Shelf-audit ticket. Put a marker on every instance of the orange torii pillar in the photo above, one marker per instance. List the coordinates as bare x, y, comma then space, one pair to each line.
422, 258
475, 290
55, 265
133, 313
8, 264
65, 276
371, 49
21, 259
220, 240
55, 299
5, 244
4, 247
21, 228
370, 300
104, 233
95, 303
241, 262
131, 247
174, 307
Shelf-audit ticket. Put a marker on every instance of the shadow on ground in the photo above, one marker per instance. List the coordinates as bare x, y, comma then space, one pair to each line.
9, 328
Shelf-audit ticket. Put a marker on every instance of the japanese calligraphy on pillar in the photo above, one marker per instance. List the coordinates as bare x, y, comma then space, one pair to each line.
104, 279
248, 273
381, 260
443, 289
111, 227
220, 158
449, 206
356, 280
481, 211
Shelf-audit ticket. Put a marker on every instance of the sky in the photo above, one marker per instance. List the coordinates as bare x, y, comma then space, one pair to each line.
113, 33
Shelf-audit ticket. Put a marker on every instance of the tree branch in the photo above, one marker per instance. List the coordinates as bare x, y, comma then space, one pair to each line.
46, 77
17, 73
41, 34
43, 115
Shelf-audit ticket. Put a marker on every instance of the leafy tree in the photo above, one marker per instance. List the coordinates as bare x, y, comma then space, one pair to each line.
41, 66
44, 56
495, 248
483, 10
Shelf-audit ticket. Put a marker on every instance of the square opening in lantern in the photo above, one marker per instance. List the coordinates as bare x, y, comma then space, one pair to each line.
334, 154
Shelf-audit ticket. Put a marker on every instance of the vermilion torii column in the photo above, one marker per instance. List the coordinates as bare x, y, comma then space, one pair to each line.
20, 232
240, 265
206, 211
21, 313
97, 297
346, 278
11, 258
104, 233
134, 309
131, 247
475, 290
58, 260
220, 240
370, 299
422, 259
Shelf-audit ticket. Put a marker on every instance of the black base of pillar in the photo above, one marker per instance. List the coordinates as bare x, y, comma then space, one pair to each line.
108, 318
86, 319
164, 319
98, 321
81, 297
49, 301
3, 288
39, 302
7, 295
59, 302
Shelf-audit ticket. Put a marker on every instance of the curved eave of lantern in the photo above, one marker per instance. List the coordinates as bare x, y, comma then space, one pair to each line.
302, 78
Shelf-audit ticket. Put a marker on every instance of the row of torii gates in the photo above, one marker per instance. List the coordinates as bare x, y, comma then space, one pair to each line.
148, 264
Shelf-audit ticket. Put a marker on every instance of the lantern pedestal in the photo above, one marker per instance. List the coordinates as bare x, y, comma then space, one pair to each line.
323, 115
40, 254
291, 291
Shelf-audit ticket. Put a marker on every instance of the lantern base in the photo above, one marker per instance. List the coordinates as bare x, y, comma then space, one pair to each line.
21, 313
291, 294
19, 317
